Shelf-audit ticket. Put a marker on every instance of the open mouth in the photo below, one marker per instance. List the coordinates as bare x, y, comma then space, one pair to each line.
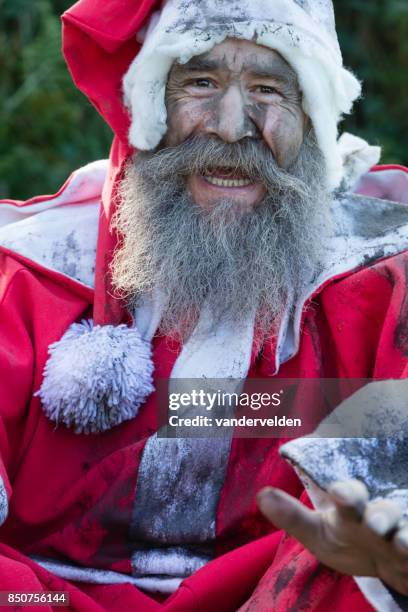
219, 182
227, 177
216, 184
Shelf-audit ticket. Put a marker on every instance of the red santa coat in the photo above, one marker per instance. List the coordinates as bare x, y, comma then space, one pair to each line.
70, 497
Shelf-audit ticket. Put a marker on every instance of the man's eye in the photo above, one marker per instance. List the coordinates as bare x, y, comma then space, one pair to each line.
202, 83
265, 89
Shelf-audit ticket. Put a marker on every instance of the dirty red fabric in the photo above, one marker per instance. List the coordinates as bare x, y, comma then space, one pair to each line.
71, 496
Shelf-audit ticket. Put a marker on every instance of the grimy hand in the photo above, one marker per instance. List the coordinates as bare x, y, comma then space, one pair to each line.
355, 537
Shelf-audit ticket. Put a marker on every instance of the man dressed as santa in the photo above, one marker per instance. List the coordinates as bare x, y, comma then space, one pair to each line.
230, 236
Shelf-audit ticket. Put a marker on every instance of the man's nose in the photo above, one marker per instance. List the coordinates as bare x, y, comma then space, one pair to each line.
232, 122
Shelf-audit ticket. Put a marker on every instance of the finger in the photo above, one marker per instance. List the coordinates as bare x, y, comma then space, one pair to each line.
382, 517
350, 497
287, 513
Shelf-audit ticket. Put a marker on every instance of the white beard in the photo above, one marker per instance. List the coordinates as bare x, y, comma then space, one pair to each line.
236, 264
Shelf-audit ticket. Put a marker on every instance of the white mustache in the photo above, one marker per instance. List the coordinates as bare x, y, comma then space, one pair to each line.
203, 154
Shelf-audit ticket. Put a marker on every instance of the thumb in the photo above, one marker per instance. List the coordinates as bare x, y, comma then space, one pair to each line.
289, 514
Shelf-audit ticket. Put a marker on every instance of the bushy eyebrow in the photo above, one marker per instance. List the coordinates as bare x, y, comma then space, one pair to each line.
276, 71
284, 75
201, 64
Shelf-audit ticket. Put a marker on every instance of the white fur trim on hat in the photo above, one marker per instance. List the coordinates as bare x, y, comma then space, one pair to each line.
358, 158
302, 31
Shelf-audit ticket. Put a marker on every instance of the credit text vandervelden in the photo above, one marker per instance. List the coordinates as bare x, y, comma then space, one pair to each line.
201, 399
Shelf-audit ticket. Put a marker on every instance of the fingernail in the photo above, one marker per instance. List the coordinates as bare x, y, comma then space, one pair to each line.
350, 493
342, 493
265, 494
378, 522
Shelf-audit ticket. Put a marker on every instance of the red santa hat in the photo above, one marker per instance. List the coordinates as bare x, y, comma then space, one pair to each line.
302, 31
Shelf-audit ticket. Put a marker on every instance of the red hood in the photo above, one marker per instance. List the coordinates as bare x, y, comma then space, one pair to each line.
99, 43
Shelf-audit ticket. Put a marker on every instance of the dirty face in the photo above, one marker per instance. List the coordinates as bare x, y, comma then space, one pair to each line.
238, 90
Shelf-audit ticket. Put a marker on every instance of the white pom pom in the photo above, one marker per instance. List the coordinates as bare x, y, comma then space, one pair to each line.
96, 376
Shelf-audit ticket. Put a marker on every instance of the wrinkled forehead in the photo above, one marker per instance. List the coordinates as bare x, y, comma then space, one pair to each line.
239, 57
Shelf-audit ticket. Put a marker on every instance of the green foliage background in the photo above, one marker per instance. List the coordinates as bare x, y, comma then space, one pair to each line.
47, 128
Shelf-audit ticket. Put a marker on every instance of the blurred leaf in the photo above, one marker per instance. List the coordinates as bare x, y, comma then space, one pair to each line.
47, 127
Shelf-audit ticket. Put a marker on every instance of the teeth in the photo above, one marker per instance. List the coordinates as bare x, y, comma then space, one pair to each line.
227, 182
